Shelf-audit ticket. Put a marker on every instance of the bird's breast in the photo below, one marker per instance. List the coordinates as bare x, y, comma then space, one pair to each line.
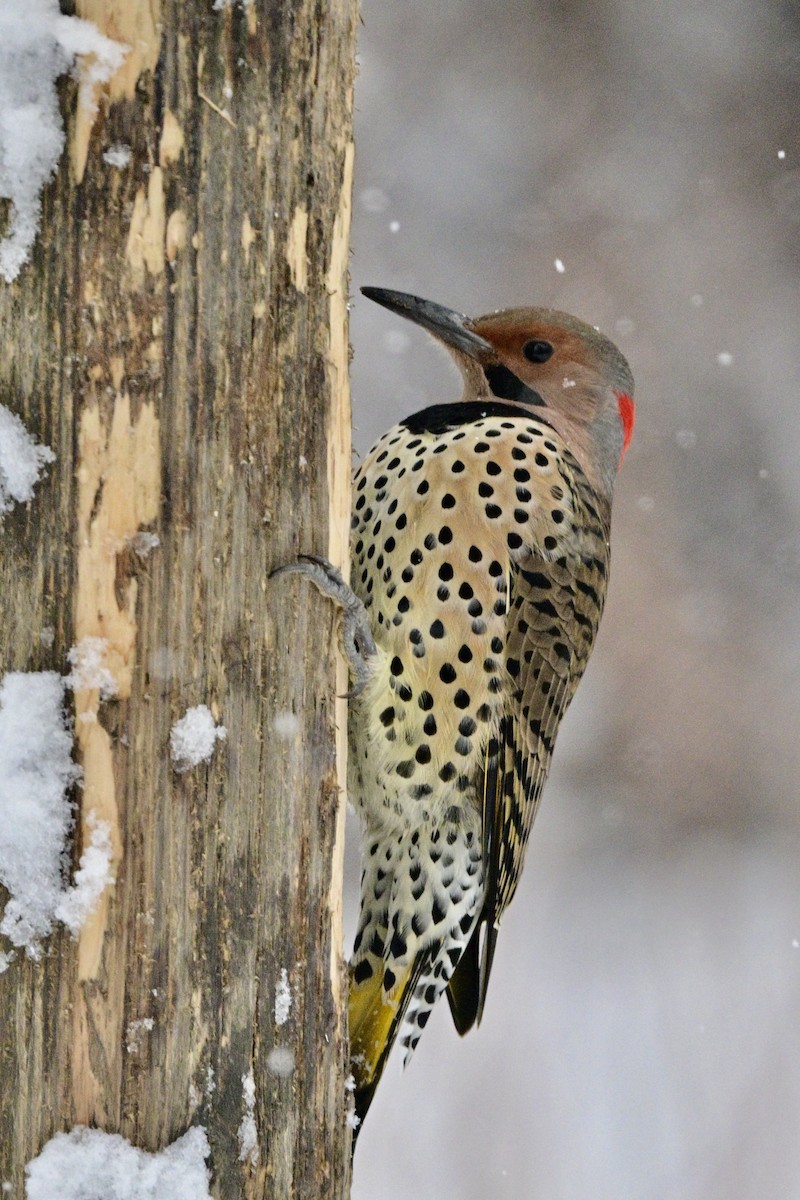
440, 513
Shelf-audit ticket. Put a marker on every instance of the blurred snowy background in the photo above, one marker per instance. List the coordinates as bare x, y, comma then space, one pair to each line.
641, 1039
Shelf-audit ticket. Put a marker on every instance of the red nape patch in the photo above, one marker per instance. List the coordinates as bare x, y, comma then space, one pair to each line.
627, 411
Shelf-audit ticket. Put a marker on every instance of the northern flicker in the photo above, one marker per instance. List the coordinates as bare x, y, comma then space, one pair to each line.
479, 564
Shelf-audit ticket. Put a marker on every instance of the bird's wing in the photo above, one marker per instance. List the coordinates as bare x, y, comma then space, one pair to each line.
553, 613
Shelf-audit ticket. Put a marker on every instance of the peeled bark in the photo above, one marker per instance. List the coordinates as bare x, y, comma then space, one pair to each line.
180, 341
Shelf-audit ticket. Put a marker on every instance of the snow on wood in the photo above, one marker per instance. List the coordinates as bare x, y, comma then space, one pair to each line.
248, 1130
21, 459
36, 816
283, 998
87, 1164
92, 877
36, 772
193, 738
37, 45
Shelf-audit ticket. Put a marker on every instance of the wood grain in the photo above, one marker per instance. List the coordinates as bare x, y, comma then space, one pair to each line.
180, 341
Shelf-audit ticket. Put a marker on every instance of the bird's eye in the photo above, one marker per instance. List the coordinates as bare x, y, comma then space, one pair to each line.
537, 351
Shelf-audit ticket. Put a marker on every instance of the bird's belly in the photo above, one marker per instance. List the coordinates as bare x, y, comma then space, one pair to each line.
420, 733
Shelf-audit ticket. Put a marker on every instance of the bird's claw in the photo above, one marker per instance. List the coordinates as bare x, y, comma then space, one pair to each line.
355, 634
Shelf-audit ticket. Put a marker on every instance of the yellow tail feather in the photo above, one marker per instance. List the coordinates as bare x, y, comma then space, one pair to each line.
375, 1018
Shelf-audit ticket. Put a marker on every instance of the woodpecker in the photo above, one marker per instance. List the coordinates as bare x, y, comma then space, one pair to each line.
479, 564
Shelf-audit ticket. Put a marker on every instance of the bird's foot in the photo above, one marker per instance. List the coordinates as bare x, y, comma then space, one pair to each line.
355, 635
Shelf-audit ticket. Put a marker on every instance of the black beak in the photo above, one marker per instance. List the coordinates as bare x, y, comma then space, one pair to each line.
450, 327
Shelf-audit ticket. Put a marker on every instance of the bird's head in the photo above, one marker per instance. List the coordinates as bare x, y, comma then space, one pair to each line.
549, 363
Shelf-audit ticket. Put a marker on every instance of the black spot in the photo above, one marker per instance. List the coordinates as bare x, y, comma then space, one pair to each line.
493, 511
445, 535
425, 701
387, 716
362, 971
447, 772
442, 593
415, 557
430, 541
463, 746
423, 754
466, 592
396, 666
445, 572
415, 637
512, 666
493, 468
457, 467
550, 542
437, 629
437, 912
424, 486
448, 501
495, 568
541, 460
406, 769
557, 515
485, 490
397, 947
474, 608
497, 645
521, 475
429, 726
403, 604
482, 447
517, 453
464, 654
461, 699
401, 521
514, 541
447, 673
466, 726
389, 980
475, 555
407, 574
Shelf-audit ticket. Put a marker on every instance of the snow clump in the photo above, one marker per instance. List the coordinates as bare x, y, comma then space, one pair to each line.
21, 459
193, 738
87, 1164
37, 45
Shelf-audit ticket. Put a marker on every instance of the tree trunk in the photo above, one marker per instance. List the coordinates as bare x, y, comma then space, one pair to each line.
180, 341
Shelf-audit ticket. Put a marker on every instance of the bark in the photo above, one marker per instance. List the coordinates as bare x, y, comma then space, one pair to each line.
180, 341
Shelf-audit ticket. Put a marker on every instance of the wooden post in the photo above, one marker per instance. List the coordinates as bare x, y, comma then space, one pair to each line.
180, 341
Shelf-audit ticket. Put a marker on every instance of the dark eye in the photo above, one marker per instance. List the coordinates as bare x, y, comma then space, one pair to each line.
537, 351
